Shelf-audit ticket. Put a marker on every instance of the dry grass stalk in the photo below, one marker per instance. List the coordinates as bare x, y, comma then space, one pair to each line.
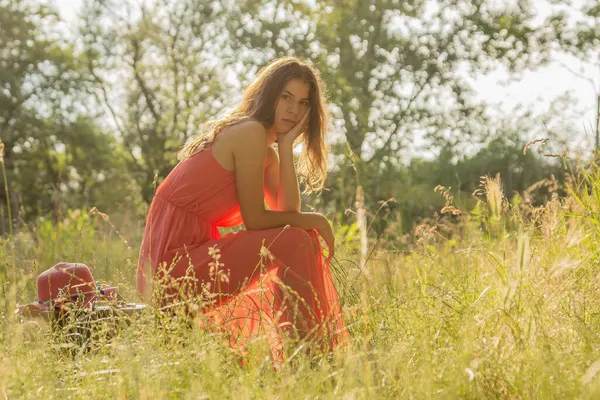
564, 154
448, 207
361, 220
551, 218
423, 232
6, 188
528, 145
492, 187
106, 218
551, 184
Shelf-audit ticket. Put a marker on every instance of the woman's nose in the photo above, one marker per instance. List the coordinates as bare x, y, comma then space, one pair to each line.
294, 107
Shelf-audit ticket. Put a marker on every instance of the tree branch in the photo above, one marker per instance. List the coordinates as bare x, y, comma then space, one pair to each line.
399, 117
140, 81
105, 97
175, 68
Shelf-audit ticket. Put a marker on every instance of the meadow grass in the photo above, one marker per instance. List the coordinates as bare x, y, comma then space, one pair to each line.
498, 302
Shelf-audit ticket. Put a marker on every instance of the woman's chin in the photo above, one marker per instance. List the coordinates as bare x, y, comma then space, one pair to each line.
283, 129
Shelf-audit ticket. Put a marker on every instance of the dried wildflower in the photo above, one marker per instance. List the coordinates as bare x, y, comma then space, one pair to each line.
206, 291
266, 254
361, 222
451, 209
95, 211
423, 232
215, 272
448, 207
214, 269
224, 277
424, 229
213, 251
492, 187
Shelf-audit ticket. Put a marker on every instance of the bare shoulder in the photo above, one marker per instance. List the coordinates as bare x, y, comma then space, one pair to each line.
245, 133
236, 139
246, 142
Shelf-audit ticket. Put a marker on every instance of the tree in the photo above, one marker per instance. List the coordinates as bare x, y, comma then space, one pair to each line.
53, 148
398, 73
158, 73
577, 32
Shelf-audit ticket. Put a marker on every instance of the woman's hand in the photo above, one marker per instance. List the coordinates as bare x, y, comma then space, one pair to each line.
296, 131
326, 233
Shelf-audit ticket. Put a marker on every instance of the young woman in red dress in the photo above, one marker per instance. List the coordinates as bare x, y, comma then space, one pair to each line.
271, 277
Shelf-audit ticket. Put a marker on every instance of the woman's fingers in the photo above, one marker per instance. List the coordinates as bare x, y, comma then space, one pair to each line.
296, 131
305, 117
331, 248
303, 123
330, 255
327, 235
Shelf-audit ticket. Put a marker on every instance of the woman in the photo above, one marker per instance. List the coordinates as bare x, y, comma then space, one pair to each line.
271, 277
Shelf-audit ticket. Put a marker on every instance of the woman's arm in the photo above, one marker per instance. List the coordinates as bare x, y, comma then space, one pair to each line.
281, 182
250, 156
288, 194
249, 153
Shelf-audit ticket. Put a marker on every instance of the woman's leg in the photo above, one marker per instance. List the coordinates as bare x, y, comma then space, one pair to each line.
288, 283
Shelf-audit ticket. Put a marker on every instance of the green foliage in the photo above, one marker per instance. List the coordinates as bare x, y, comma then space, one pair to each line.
399, 74
109, 110
168, 55
395, 70
527, 176
55, 154
577, 34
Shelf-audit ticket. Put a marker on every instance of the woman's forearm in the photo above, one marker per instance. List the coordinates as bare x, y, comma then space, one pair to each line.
277, 219
288, 193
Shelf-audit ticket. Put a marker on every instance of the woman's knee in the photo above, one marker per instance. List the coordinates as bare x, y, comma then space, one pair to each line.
299, 237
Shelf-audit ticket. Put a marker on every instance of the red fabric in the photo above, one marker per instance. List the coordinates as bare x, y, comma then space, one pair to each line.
199, 196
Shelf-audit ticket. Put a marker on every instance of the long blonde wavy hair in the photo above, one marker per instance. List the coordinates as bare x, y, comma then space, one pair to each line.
258, 103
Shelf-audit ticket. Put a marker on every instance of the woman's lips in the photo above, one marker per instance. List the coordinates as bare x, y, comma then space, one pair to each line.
289, 121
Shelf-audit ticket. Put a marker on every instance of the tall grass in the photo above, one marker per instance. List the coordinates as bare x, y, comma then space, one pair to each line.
497, 302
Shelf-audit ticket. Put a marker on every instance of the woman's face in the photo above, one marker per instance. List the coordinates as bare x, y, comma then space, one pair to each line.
291, 106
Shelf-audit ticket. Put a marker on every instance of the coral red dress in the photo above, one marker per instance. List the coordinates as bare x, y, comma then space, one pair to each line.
263, 282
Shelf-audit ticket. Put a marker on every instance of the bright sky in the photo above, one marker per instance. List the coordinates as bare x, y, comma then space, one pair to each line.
534, 89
